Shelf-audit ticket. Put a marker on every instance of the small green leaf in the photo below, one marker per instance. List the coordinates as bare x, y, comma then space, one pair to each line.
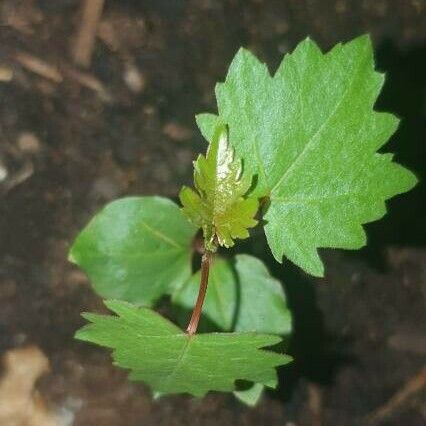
241, 296
219, 206
136, 249
170, 361
310, 135
208, 123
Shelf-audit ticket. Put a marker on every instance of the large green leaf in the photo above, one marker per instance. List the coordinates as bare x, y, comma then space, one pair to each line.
136, 249
241, 296
310, 135
171, 361
219, 206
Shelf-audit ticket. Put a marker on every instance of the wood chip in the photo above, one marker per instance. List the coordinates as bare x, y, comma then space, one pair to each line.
39, 66
83, 48
411, 387
21, 404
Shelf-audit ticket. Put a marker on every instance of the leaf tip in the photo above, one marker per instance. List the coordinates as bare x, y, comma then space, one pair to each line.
71, 256
314, 266
362, 43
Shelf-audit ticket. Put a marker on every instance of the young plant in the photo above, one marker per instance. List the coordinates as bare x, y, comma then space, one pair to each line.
296, 150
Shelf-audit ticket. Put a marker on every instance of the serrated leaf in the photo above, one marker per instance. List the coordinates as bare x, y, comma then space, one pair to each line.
310, 135
136, 249
170, 361
241, 296
218, 206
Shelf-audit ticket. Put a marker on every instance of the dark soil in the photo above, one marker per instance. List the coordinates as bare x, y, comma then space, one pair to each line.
68, 149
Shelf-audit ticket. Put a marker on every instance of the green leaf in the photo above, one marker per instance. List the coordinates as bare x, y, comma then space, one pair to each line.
170, 361
136, 249
310, 135
250, 396
219, 207
208, 123
241, 296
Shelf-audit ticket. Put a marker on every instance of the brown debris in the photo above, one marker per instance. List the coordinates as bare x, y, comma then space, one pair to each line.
39, 66
28, 143
83, 48
21, 15
315, 404
89, 81
24, 173
59, 73
411, 387
20, 403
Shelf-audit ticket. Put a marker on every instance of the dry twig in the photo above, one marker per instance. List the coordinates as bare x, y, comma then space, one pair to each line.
83, 49
414, 385
59, 73
38, 66
89, 81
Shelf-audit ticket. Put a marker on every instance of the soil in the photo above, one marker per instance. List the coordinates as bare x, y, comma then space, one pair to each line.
72, 140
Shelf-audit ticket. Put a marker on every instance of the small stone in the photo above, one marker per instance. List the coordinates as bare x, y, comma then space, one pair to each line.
133, 78
3, 172
28, 143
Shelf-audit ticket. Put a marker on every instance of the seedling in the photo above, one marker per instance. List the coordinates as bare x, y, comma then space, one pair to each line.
296, 153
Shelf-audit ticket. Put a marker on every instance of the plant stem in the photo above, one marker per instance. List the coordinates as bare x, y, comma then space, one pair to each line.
196, 313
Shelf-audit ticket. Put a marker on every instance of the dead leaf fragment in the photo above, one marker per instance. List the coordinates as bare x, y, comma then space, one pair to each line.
20, 402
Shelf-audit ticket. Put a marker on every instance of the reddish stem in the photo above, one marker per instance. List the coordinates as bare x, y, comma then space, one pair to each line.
196, 313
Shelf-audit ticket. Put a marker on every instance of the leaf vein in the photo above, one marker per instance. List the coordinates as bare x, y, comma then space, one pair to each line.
312, 140
161, 236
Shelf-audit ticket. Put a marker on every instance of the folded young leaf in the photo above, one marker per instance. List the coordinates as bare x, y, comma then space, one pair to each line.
219, 206
126, 247
310, 135
171, 361
242, 296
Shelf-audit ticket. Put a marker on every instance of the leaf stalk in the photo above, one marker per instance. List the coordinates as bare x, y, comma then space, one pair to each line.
196, 313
